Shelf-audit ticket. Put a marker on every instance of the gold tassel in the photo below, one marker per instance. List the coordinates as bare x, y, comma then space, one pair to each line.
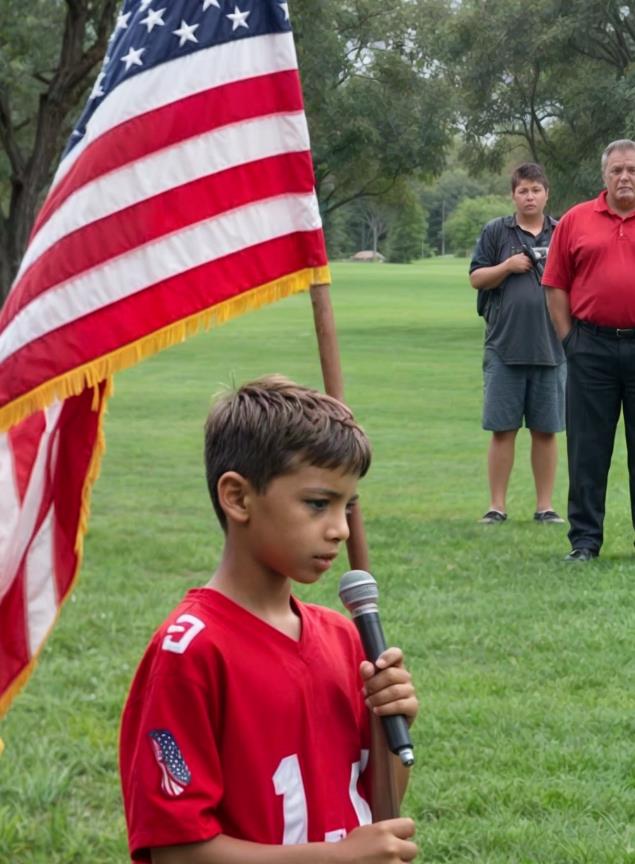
89, 375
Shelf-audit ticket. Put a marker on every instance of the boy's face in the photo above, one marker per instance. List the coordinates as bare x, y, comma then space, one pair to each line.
296, 527
530, 198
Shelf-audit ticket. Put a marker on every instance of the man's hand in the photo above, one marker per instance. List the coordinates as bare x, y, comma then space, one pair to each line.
388, 686
559, 310
384, 842
519, 263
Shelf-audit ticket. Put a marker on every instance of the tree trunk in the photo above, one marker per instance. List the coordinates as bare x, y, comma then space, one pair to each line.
31, 172
6, 266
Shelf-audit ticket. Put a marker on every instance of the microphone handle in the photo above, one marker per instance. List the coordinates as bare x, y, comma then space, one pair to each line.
395, 726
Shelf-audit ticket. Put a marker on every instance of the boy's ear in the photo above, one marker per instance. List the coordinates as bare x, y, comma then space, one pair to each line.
233, 496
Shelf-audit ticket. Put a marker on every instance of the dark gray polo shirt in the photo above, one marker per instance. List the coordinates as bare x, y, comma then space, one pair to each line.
518, 325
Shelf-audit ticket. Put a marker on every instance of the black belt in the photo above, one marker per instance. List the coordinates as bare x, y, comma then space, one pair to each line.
612, 332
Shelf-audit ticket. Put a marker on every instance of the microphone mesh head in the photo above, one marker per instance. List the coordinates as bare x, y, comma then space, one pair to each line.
358, 589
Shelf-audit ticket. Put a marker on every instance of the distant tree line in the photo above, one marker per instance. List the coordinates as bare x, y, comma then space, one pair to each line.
413, 107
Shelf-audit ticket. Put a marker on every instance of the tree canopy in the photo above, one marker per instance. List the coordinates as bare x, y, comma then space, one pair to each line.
555, 79
376, 109
466, 223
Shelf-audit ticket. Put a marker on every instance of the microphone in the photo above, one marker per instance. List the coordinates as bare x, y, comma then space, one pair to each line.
359, 593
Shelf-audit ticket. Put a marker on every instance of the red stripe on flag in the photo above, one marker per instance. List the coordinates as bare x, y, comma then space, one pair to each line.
164, 303
24, 440
163, 214
78, 431
14, 646
146, 133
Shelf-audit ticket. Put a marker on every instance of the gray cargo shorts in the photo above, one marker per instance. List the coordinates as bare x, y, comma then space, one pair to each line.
512, 393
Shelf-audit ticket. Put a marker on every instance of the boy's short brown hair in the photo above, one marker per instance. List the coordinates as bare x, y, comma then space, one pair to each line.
269, 426
530, 171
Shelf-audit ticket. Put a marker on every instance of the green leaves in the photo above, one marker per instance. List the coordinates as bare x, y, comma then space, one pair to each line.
557, 77
376, 112
466, 223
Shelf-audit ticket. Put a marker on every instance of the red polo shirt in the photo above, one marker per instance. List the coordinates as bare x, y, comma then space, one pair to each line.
592, 258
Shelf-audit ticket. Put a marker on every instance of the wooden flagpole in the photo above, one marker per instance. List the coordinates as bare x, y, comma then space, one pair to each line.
385, 798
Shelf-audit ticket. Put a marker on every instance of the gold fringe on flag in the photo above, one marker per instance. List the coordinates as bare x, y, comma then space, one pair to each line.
72, 383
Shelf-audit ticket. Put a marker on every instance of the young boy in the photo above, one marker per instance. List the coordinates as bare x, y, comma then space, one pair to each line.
245, 734
524, 369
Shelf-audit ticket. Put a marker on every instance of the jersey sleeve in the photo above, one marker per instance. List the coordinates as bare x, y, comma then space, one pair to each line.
486, 250
558, 271
169, 757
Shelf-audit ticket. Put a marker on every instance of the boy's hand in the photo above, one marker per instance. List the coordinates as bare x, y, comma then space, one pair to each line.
388, 686
384, 842
519, 263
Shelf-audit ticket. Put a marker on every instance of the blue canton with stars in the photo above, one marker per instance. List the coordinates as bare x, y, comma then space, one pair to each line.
150, 32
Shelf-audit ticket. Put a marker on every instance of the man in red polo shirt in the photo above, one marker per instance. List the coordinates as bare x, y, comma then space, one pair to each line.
589, 279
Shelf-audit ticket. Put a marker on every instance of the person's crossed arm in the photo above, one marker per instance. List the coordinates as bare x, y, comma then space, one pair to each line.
486, 278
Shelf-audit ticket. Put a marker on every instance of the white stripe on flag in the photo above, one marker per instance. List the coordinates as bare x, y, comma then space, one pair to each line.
9, 499
41, 590
167, 169
158, 260
21, 537
178, 79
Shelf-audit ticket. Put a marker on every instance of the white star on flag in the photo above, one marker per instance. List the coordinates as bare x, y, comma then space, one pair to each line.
97, 88
122, 21
285, 9
238, 18
208, 3
186, 33
154, 19
144, 5
133, 57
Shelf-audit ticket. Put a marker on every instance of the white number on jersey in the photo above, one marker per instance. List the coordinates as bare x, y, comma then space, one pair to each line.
186, 628
360, 804
288, 782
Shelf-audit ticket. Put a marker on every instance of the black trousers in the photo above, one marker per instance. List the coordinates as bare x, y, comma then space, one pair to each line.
600, 383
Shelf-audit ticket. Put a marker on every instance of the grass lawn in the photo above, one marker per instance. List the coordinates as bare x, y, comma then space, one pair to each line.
524, 665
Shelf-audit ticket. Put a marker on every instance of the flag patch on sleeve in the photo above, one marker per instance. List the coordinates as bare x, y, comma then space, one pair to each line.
175, 775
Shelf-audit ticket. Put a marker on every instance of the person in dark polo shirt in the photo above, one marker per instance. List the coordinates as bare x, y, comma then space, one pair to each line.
523, 363
590, 280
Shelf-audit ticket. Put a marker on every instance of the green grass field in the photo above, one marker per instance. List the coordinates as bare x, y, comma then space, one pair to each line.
524, 664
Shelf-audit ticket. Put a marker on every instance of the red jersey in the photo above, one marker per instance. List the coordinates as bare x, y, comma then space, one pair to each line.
232, 727
592, 257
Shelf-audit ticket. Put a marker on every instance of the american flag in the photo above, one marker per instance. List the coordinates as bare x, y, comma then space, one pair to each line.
175, 775
184, 196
